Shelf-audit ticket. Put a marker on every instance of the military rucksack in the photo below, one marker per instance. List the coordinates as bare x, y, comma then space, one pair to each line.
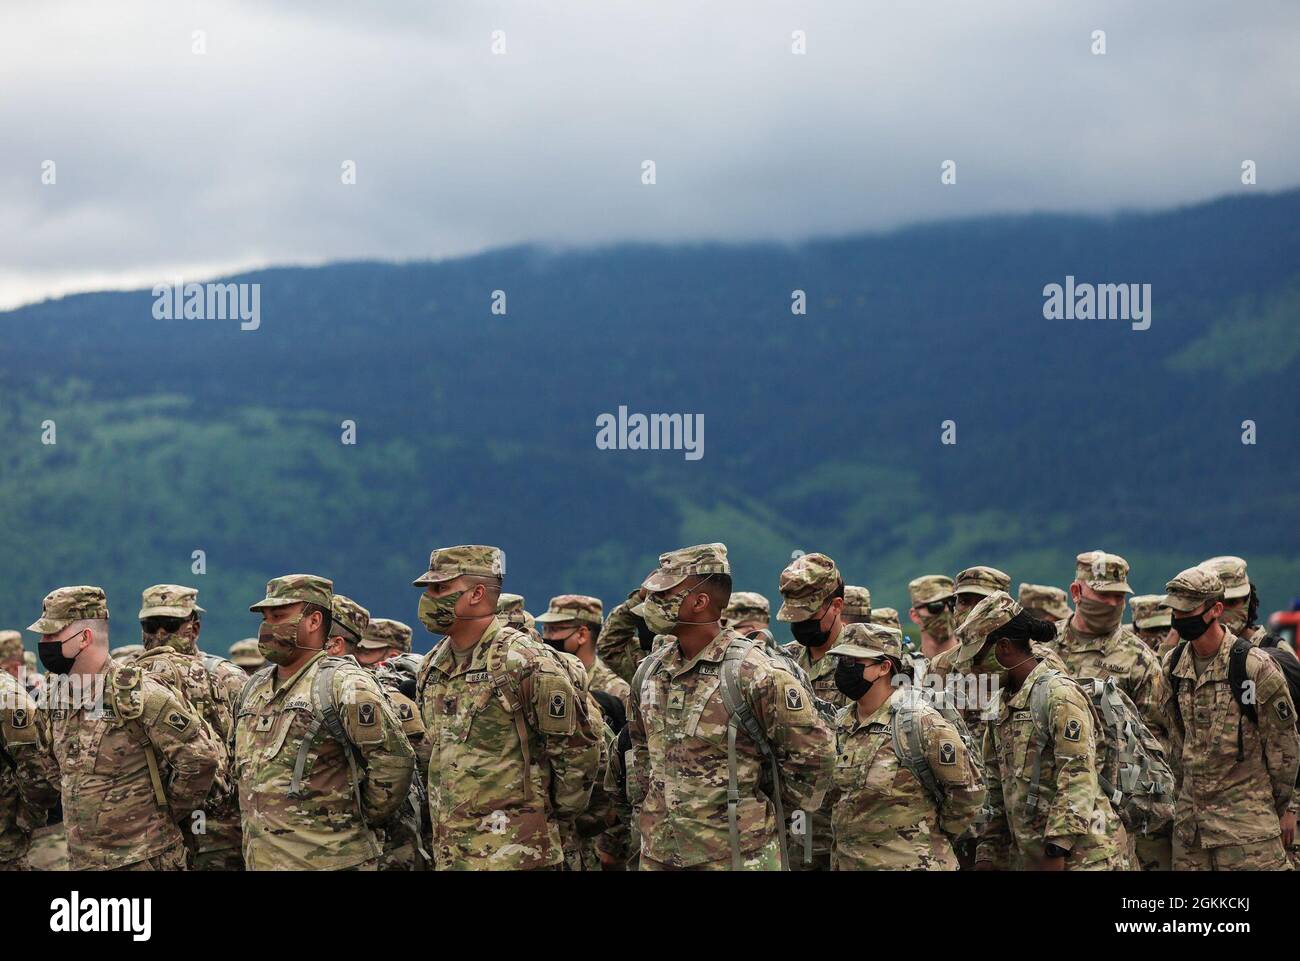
905, 730
740, 716
1238, 680
1131, 766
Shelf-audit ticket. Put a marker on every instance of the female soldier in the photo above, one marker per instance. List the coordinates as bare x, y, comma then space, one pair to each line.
898, 807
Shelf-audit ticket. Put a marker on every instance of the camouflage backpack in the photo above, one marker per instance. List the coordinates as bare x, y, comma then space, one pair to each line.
1131, 765
740, 716
905, 729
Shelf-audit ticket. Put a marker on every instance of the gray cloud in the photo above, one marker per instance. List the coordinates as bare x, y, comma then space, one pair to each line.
171, 163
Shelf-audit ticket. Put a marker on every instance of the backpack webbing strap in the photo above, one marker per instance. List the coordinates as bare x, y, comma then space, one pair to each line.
155, 776
1038, 708
740, 716
906, 733
327, 718
503, 686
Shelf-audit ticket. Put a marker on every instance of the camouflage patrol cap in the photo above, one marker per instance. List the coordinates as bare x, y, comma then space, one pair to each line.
1149, 611
675, 566
986, 617
887, 616
572, 607
29, 660
1192, 588
169, 600
297, 589
383, 632
805, 584
1102, 571
67, 604
510, 604
1052, 601
857, 600
448, 563
126, 652
245, 653
930, 588
1232, 572
746, 606
349, 615
11, 645
981, 580
869, 640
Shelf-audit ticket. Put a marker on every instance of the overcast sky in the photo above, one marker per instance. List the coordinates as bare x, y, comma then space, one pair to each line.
174, 163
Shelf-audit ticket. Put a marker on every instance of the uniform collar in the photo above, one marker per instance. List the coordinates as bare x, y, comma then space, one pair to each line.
1020, 700
293, 678
713, 652
444, 660
1070, 639
1216, 670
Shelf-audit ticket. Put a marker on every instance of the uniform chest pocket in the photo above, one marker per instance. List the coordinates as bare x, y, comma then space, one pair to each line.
475, 714
1018, 744
118, 749
701, 713
288, 728
854, 767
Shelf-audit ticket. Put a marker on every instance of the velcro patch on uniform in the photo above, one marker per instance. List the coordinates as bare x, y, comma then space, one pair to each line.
1073, 729
366, 714
367, 727
177, 721
559, 705
1069, 741
555, 713
676, 700
477, 677
298, 704
1120, 669
947, 752
1281, 705
794, 706
710, 670
404, 711
19, 718
1021, 716
264, 722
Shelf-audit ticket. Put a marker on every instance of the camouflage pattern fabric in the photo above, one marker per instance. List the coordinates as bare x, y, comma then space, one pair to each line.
601, 678
170, 600
449, 563
1044, 601
482, 815
746, 607
806, 585
110, 810
618, 645
49, 850
857, 601
322, 829
297, 589
887, 616
30, 787
883, 818
678, 779
245, 654
1071, 812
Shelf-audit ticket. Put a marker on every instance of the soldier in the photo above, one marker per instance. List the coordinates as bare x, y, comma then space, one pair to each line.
1045, 602
1152, 622
126, 653
857, 606
348, 621
932, 612
885, 616
134, 760
28, 776
515, 748
170, 622
571, 625
320, 756
748, 612
1240, 599
245, 655
812, 593
973, 585
681, 767
625, 640
1238, 771
511, 608
11, 653
895, 813
1070, 824
384, 640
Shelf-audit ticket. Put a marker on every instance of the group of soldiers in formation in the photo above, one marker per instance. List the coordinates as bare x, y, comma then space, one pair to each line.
1031, 733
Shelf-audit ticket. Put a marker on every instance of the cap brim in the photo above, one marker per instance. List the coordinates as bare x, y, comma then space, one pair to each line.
979, 589
1180, 603
48, 625
553, 617
167, 612
1110, 586
434, 577
247, 661
1149, 622
1232, 593
663, 580
917, 602
856, 650
274, 602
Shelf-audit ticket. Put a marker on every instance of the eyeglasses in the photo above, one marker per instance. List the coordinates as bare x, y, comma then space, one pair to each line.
152, 625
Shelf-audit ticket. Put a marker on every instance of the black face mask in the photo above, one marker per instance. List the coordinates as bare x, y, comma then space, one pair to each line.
52, 657
643, 632
849, 680
557, 643
809, 633
1190, 628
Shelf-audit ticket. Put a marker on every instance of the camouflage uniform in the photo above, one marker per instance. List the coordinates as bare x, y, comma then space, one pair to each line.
678, 780
930, 589
511, 609
883, 817
1228, 809
209, 687
126, 653
619, 644
1236, 587
245, 655
888, 616
333, 822
131, 766
1045, 602
29, 778
1151, 621
977, 583
515, 749
857, 605
49, 850
805, 585
746, 607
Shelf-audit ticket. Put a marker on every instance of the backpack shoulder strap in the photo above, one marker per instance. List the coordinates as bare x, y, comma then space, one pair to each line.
1237, 677
510, 692
644, 670
325, 711
124, 690
1039, 709
908, 747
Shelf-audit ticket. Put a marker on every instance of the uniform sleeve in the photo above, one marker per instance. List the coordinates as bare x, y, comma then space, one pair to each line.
27, 743
1150, 691
179, 735
637, 775
618, 645
963, 787
559, 712
387, 758
995, 842
802, 739
1277, 729
1069, 815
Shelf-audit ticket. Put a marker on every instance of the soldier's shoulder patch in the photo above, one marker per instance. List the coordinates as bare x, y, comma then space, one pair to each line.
1073, 729
19, 718
367, 725
178, 722
793, 705
1282, 706
947, 751
554, 703
405, 711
